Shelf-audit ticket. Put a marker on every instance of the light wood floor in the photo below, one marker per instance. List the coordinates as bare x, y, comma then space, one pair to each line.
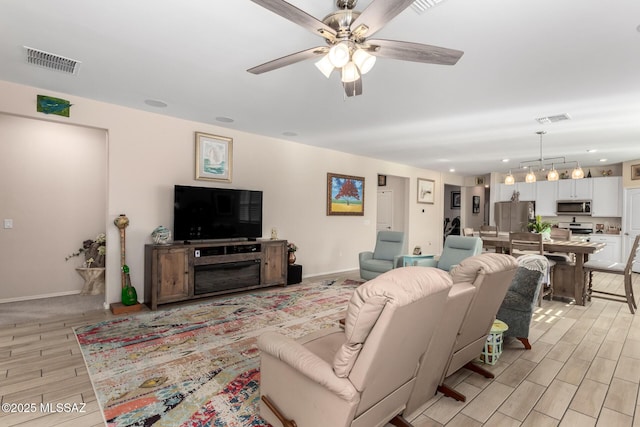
583, 370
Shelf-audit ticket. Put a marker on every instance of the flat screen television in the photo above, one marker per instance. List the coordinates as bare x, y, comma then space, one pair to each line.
205, 213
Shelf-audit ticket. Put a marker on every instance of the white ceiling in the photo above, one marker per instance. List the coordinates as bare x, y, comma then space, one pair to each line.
523, 59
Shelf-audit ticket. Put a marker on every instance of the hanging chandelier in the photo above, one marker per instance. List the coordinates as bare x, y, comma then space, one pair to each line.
541, 163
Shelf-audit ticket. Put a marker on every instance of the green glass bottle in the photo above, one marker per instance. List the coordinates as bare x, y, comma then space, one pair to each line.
129, 294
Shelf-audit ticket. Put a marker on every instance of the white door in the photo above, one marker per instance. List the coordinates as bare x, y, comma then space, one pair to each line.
631, 222
384, 220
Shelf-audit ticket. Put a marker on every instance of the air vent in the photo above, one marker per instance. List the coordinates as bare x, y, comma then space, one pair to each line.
553, 119
51, 61
420, 6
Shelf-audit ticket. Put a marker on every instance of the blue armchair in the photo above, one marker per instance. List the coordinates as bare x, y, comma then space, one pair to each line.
456, 248
385, 256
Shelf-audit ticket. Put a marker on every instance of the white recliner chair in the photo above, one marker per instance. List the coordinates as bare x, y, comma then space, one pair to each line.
480, 284
362, 375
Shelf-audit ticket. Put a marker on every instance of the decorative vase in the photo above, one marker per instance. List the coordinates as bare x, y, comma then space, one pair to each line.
546, 234
161, 235
292, 258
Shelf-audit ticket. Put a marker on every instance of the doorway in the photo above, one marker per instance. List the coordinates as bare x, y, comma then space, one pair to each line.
392, 208
631, 223
54, 192
452, 209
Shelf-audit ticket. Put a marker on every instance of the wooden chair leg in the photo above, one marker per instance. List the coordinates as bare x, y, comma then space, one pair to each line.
478, 370
399, 421
525, 342
285, 422
629, 294
449, 392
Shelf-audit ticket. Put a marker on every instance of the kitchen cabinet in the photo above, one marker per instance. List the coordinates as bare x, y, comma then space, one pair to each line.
607, 196
575, 189
527, 191
546, 195
613, 249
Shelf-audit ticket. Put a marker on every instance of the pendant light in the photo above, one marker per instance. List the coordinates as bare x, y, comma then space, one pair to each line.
540, 163
530, 178
577, 173
509, 179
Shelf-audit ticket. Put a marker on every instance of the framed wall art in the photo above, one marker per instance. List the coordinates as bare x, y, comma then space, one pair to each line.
382, 180
476, 204
635, 171
345, 194
455, 200
214, 157
426, 190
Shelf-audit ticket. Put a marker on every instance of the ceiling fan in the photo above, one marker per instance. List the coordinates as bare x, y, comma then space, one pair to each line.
349, 48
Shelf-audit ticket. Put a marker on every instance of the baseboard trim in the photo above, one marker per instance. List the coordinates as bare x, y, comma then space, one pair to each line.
27, 298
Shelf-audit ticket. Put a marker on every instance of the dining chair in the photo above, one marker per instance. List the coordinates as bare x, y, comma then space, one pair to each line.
523, 243
488, 231
563, 234
612, 267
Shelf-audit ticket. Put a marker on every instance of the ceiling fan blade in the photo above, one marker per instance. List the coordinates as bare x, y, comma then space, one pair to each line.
353, 88
298, 16
289, 59
416, 52
377, 14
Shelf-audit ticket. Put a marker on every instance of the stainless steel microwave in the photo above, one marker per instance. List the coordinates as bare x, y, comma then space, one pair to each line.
573, 207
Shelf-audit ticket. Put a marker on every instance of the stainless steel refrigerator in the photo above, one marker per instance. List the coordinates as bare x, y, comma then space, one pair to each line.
514, 216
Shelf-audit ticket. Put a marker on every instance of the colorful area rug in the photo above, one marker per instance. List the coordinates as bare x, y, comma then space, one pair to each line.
198, 365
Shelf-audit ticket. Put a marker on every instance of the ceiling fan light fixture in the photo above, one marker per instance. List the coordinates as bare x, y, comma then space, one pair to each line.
350, 73
339, 54
530, 178
364, 60
509, 179
325, 66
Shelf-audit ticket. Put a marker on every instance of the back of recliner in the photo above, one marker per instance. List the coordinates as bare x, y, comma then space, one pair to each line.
493, 275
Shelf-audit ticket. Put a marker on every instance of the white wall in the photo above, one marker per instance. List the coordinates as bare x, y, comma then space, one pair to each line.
149, 153
53, 187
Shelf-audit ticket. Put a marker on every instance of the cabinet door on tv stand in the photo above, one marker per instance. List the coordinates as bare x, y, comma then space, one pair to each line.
274, 263
173, 275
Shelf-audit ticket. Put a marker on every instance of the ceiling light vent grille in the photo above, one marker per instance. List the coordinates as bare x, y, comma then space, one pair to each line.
420, 6
51, 61
553, 119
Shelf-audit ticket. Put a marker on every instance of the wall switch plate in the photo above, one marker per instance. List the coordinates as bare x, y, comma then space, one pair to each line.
8, 223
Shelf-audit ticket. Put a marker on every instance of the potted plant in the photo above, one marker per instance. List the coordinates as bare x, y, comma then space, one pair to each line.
542, 227
92, 269
94, 252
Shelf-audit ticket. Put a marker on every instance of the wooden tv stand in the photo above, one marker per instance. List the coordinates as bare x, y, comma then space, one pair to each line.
182, 272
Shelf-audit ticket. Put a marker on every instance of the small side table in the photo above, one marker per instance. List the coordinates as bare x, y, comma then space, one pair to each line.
93, 280
493, 345
294, 274
410, 260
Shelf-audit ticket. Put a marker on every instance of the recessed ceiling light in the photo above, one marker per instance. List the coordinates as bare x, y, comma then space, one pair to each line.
591, 150
452, 170
603, 160
505, 160
155, 103
224, 119
289, 133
